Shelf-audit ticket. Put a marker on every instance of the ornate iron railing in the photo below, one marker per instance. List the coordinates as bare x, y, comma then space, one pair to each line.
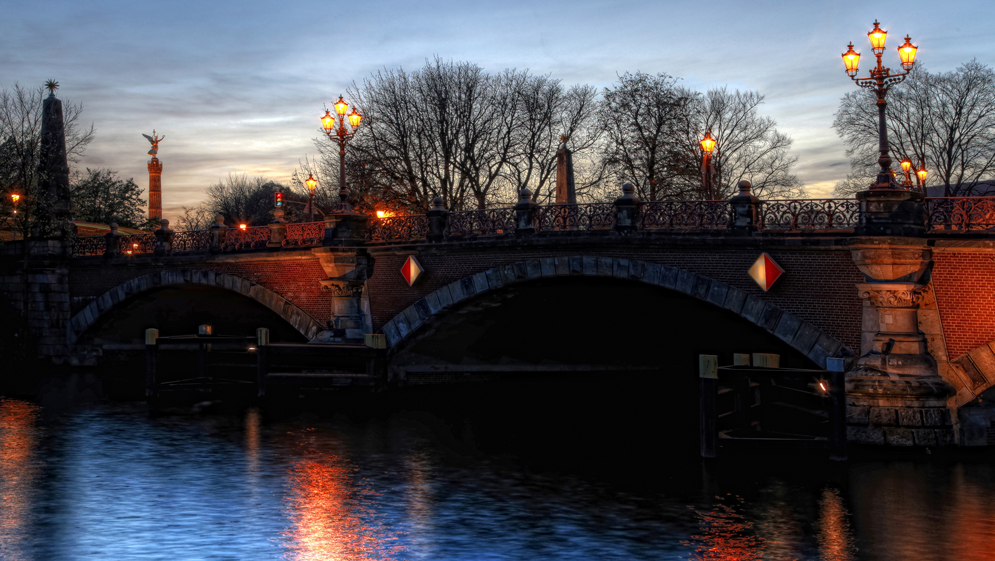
255, 237
481, 222
808, 214
90, 245
189, 240
960, 214
685, 215
304, 234
398, 228
593, 216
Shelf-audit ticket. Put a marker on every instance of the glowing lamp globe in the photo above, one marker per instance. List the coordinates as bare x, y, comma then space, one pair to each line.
341, 106
921, 172
242, 226
380, 214
311, 182
907, 53
15, 197
708, 143
850, 60
877, 37
355, 118
906, 165
328, 122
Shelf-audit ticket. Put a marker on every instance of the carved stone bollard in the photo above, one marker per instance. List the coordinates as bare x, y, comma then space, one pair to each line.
438, 219
163, 239
745, 209
113, 240
525, 212
627, 210
217, 234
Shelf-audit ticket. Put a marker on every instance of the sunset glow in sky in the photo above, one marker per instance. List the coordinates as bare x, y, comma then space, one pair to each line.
239, 86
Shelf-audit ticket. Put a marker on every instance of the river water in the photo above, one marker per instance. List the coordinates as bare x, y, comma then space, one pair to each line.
110, 481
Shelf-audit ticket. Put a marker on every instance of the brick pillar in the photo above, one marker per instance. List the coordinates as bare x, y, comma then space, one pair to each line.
155, 189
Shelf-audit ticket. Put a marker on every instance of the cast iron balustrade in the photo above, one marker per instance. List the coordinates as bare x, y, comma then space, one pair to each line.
960, 214
685, 215
237, 239
481, 222
398, 228
593, 216
808, 214
190, 240
304, 234
942, 214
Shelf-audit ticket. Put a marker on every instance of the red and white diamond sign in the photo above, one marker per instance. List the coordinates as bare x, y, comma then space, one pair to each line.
411, 270
765, 271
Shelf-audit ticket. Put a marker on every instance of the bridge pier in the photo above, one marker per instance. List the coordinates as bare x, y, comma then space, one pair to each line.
348, 266
894, 391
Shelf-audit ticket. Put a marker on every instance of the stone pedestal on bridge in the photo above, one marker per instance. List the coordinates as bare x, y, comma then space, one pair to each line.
894, 391
348, 266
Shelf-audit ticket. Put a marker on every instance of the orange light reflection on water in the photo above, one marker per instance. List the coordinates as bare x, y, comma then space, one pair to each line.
17, 475
333, 516
835, 536
725, 535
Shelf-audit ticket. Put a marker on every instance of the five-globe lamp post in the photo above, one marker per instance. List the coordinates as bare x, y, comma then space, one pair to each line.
707, 146
341, 135
880, 79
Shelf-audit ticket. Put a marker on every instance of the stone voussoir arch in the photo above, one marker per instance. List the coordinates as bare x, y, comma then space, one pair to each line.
976, 371
298, 318
810, 340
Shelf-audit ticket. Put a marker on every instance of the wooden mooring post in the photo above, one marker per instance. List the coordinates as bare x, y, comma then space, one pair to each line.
837, 408
262, 349
708, 376
151, 356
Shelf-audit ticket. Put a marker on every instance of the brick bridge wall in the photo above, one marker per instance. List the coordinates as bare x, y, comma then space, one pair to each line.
293, 275
818, 285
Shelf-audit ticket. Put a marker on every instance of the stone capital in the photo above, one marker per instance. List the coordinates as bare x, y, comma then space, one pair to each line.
892, 294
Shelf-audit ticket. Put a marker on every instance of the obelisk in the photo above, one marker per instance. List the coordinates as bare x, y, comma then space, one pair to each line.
566, 193
54, 216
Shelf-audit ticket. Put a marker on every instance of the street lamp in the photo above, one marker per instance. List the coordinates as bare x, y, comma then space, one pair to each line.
906, 166
15, 197
921, 176
880, 79
342, 136
707, 146
311, 183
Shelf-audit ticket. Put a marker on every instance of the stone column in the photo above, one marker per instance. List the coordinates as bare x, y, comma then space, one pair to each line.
525, 212
438, 216
627, 210
163, 238
894, 392
155, 189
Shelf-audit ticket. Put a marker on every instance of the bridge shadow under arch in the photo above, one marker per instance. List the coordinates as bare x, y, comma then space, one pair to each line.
727, 305
207, 287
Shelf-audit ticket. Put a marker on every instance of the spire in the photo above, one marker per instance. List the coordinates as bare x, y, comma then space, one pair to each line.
53, 168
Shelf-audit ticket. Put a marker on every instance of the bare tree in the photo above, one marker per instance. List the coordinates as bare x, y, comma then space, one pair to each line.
748, 146
645, 119
20, 138
945, 121
240, 198
546, 113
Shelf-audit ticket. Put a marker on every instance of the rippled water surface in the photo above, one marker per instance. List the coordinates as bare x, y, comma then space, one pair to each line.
112, 482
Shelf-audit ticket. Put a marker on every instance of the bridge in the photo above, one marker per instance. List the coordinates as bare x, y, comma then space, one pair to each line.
894, 285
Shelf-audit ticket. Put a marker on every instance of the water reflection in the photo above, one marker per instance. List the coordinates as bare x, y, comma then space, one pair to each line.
111, 482
334, 516
835, 537
725, 534
18, 472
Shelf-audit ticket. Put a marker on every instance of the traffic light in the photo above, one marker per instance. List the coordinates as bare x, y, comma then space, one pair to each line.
279, 199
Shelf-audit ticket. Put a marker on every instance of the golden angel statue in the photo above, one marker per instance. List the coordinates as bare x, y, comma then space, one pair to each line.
154, 141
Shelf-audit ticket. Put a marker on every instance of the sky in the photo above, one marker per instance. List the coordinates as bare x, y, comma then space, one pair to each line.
238, 87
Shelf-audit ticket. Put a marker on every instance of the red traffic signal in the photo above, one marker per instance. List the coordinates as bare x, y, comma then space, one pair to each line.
278, 199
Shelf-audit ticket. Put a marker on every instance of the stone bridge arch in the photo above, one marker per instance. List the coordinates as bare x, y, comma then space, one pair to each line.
801, 335
101, 306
